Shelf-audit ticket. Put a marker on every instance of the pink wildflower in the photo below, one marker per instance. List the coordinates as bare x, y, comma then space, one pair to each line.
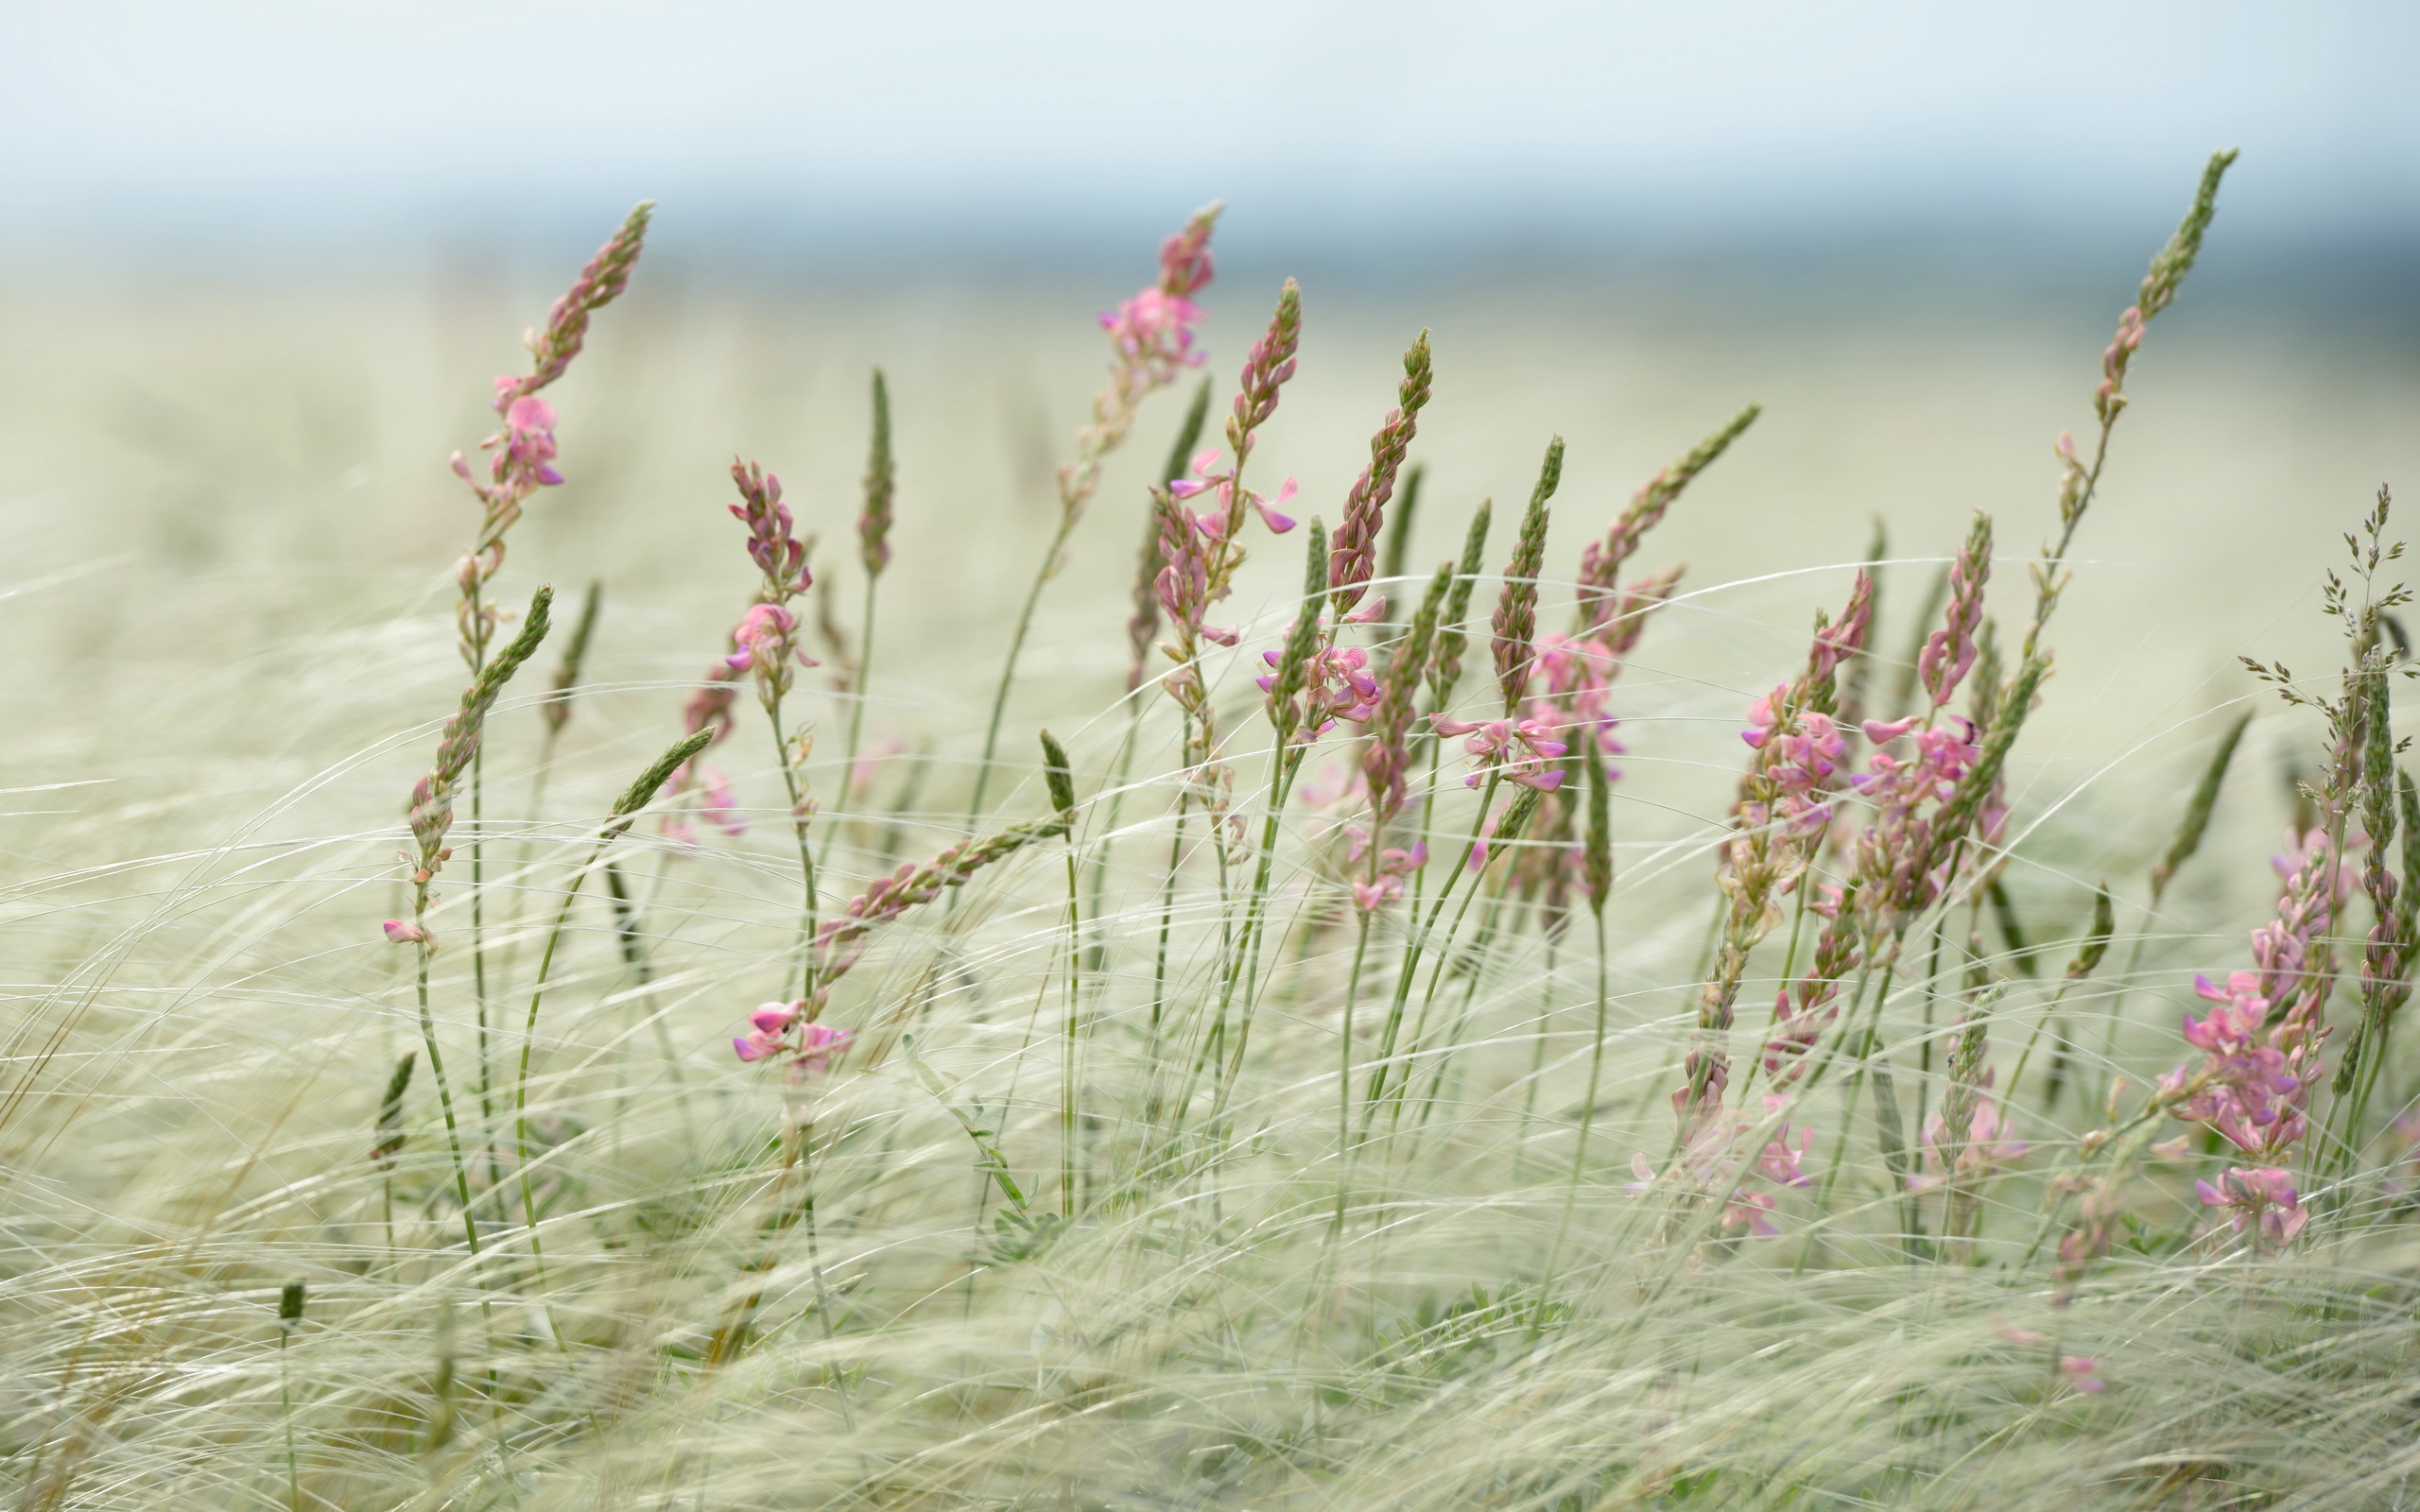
772, 543
1950, 651
1385, 883
1154, 332
1335, 685
1521, 750
1710, 1163
779, 1029
2084, 1373
2256, 1090
2263, 1201
403, 933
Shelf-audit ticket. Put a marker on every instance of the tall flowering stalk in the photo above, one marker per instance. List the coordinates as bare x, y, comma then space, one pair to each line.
431, 818
520, 457
1151, 340
1315, 681
2255, 1081
766, 647
1505, 749
1385, 761
1143, 625
881, 484
1198, 548
1515, 621
2080, 481
1784, 811
1200, 552
521, 460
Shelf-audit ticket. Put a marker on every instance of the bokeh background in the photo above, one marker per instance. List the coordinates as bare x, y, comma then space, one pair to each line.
261, 260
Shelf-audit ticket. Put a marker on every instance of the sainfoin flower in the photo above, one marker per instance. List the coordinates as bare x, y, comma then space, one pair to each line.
1520, 750
2262, 1200
1153, 330
1709, 1165
1385, 883
780, 1029
1335, 685
2255, 1088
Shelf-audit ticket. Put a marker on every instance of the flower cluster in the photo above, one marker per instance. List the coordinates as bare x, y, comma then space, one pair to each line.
1521, 750
2263, 1201
1387, 871
522, 452
1907, 794
783, 1029
772, 542
1335, 685
1577, 702
1153, 331
2249, 1094
1709, 1164
2254, 1088
1797, 772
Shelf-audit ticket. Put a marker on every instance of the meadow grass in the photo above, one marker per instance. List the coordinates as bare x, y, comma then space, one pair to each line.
1350, 1091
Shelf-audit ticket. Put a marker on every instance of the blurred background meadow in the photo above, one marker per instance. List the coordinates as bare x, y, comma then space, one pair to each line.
261, 263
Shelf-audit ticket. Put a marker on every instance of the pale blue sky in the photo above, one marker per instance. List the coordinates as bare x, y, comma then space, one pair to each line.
229, 121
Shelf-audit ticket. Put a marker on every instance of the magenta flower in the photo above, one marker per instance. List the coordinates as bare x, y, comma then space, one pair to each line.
1949, 652
1208, 478
772, 541
2263, 1201
1521, 750
1709, 1164
1154, 334
781, 1029
403, 933
1335, 685
2255, 1091
1578, 674
1197, 550
2084, 1373
1385, 883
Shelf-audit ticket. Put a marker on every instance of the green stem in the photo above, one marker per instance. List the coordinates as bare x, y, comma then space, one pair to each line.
444, 1088
800, 823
